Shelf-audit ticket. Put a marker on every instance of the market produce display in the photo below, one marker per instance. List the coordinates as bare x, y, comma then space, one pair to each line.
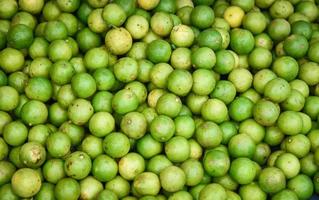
159, 99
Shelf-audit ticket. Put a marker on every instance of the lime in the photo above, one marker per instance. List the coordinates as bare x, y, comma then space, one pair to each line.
241, 145
279, 29
202, 16
281, 9
296, 46
210, 38
203, 57
213, 191
252, 191
234, 16
180, 82
113, 14
255, 22
11, 60
301, 185
208, 134
285, 194
241, 41
161, 23
309, 72
137, 25
272, 180
182, 36
26, 182
158, 51
216, 163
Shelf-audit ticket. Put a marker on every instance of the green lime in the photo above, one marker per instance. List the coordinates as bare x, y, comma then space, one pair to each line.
8, 8
296, 46
77, 165
9, 98
162, 128
161, 23
20, 36
263, 40
59, 50
272, 180
134, 125
32, 154
80, 111
11, 60
214, 110
299, 145
224, 91
184, 13
113, 14
289, 164
255, 22
53, 170
177, 149
208, 134
123, 41
124, 101
182, 35
96, 22
216, 163
34, 112
252, 191
126, 69
279, 29
87, 39
181, 58
308, 9
290, 122
104, 168
158, 51
285, 195
159, 74
116, 145
241, 145
202, 16
241, 41
203, 57
46, 192
172, 178
203, 82
213, 191
148, 147
241, 78
262, 153
301, 185
68, 5
146, 183
241, 108
313, 51
281, 9
137, 25
253, 129
225, 62
83, 85
210, 38
26, 182
180, 82
265, 112
260, 58
309, 72
67, 188
96, 58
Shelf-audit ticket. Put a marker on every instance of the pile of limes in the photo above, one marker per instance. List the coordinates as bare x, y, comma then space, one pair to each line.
159, 99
